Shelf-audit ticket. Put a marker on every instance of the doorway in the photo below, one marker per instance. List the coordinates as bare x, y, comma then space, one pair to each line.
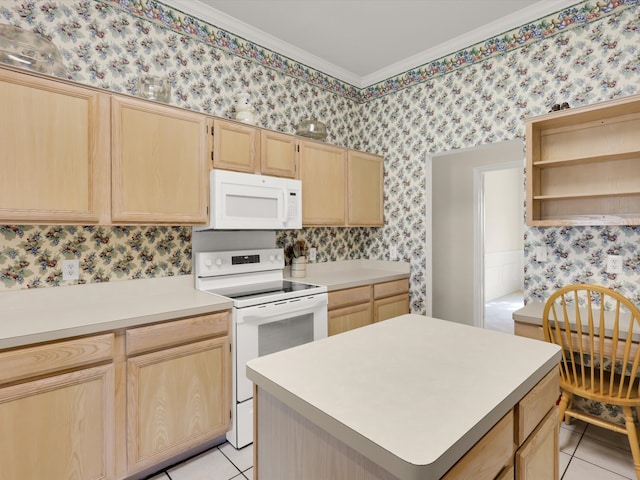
502, 200
455, 241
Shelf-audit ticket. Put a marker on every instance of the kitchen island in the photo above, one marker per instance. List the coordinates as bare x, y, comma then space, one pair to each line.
409, 398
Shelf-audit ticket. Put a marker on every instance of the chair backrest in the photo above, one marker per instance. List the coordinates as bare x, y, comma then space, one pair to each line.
595, 326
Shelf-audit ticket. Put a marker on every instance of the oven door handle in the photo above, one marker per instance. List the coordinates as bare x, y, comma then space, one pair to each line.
270, 312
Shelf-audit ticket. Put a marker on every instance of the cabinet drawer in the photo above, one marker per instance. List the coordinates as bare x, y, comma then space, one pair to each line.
486, 459
538, 455
347, 318
390, 307
166, 334
53, 357
390, 288
535, 405
349, 296
529, 330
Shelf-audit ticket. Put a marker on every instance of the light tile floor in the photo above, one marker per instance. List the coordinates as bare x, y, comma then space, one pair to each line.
498, 312
587, 452
220, 463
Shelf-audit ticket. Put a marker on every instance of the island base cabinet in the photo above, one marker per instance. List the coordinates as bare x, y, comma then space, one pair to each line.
177, 399
295, 448
537, 458
523, 445
487, 458
59, 427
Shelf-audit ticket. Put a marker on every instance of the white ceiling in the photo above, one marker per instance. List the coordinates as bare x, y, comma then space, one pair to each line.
366, 41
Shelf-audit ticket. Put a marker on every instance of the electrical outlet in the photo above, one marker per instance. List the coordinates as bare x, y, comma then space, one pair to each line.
541, 254
312, 254
393, 252
70, 269
614, 264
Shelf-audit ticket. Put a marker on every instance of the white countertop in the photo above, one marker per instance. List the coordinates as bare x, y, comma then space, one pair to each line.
532, 314
52, 313
44, 314
413, 393
352, 273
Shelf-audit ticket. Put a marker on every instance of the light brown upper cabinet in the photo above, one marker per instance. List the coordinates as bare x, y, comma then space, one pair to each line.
323, 175
244, 148
365, 189
74, 155
235, 146
583, 165
278, 156
159, 163
55, 151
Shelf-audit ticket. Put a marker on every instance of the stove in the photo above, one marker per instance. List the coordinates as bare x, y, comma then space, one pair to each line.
270, 314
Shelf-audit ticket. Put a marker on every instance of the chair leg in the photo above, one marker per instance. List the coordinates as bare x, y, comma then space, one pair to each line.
565, 399
632, 433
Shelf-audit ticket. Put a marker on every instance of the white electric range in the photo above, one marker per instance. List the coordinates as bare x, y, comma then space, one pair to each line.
269, 314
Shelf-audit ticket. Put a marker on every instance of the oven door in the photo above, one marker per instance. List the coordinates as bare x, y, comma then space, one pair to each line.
263, 329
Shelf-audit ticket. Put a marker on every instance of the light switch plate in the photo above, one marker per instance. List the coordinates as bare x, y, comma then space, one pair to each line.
541, 254
312, 254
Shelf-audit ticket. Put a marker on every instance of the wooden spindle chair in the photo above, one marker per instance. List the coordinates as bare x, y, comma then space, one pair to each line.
600, 359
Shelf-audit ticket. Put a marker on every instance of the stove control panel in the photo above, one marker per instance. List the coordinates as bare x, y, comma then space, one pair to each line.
208, 264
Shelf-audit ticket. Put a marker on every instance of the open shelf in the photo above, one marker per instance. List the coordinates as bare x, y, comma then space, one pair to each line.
583, 165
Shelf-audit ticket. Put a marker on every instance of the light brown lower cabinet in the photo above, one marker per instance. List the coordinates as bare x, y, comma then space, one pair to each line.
108, 406
537, 458
359, 306
62, 425
348, 318
178, 387
176, 400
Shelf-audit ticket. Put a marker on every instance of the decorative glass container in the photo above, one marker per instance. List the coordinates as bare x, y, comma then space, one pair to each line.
154, 88
312, 128
30, 51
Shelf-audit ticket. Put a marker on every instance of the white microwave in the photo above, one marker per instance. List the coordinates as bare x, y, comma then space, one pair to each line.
244, 201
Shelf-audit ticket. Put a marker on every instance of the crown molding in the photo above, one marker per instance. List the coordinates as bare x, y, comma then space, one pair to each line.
238, 28
221, 20
495, 28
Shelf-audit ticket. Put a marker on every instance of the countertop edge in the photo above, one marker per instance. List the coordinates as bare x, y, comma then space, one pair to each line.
396, 465
103, 327
386, 459
59, 313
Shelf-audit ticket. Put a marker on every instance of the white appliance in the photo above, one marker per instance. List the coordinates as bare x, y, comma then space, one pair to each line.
269, 314
244, 201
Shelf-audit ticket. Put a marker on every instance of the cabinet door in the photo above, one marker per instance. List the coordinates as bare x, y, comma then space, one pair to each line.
365, 188
59, 427
538, 456
322, 171
55, 151
390, 307
177, 399
348, 318
235, 146
159, 164
277, 154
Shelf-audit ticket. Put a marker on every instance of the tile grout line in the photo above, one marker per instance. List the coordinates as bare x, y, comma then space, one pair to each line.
574, 450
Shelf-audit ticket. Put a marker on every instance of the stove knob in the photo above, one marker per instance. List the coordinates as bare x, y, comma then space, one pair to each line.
272, 258
279, 257
208, 263
218, 262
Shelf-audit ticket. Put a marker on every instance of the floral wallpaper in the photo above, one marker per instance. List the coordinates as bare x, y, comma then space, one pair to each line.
482, 94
